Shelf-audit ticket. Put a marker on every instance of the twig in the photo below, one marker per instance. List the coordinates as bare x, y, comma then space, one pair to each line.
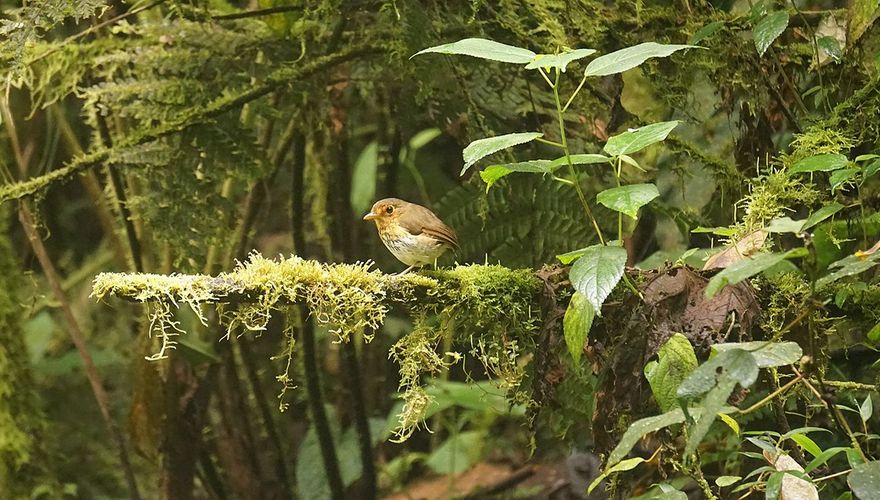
218, 107
26, 218
319, 415
134, 245
258, 12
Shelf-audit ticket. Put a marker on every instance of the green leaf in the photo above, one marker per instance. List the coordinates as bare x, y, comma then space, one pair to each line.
560, 61
744, 269
457, 453
864, 480
820, 163
363, 178
824, 457
628, 199
766, 354
484, 395
597, 272
482, 148
724, 481
874, 333
622, 466
784, 225
769, 29
872, 169
737, 365
637, 139
866, 409
569, 257
676, 361
642, 427
838, 177
630, 57
821, 214
774, 486
706, 31
848, 266
662, 491
719, 230
807, 444
493, 173
576, 325
831, 46
581, 159
484, 49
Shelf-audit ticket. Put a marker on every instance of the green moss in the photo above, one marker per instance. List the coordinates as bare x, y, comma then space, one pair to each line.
772, 196
493, 309
22, 460
817, 141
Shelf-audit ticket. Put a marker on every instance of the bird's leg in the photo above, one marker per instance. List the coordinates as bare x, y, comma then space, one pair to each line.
408, 269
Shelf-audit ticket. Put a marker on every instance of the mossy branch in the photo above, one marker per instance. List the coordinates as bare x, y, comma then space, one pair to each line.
281, 77
495, 307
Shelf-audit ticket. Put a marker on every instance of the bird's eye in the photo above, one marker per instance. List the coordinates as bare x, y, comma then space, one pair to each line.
389, 210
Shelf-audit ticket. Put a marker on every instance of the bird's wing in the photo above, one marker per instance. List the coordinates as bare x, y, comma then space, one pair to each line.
428, 223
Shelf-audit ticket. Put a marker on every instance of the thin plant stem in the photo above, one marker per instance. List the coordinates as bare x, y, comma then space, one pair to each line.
26, 218
564, 142
770, 396
573, 95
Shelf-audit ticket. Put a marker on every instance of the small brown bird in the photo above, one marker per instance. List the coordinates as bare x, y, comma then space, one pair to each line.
411, 232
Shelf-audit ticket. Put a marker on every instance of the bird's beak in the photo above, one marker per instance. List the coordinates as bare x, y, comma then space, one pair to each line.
371, 216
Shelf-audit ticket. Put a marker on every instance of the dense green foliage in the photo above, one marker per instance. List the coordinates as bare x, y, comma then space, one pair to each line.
592, 156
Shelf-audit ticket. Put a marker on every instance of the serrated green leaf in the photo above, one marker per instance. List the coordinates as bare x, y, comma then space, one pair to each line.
768, 29
482, 148
493, 173
766, 354
635, 140
676, 361
560, 61
597, 272
581, 159
628, 199
576, 325
864, 480
484, 49
736, 367
734, 364
820, 163
630, 57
